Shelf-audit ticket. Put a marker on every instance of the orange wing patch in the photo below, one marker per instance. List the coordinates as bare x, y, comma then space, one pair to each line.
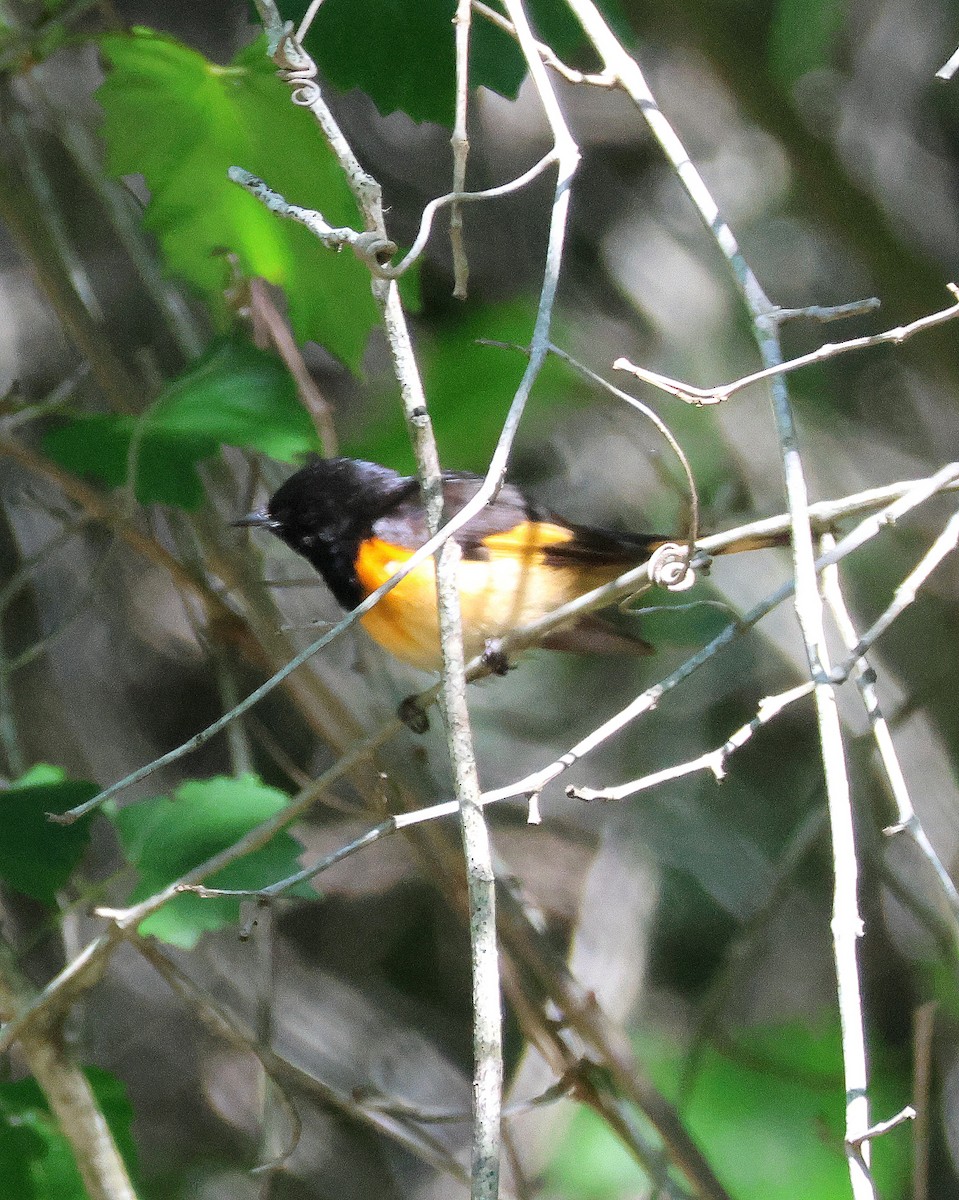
526, 539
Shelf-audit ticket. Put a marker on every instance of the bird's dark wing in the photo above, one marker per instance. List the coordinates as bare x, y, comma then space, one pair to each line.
560, 542
405, 523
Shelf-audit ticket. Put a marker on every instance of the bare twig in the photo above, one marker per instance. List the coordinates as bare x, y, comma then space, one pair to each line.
687, 578
311, 398
374, 251
906, 1114
713, 760
546, 53
924, 1021
460, 143
949, 68
827, 312
66, 1088
905, 593
370, 247
908, 820
721, 392
304, 26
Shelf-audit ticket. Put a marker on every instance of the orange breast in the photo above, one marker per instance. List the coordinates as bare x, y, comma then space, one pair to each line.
512, 587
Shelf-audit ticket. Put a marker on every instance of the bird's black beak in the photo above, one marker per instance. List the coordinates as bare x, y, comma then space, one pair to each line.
260, 518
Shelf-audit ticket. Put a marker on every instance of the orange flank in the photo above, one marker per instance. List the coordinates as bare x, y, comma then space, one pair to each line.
511, 585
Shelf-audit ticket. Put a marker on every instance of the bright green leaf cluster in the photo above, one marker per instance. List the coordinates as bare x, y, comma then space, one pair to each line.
169, 835
181, 122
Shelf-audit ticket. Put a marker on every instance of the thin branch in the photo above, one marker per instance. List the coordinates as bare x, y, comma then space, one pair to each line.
460, 143
457, 1116
908, 820
687, 578
923, 1029
546, 53
713, 761
906, 1114
906, 592
371, 248
61, 395
827, 312
66, 1088
949, 68
37, 179
480, 876
304, 26
716, 395
265, 311
286, 1075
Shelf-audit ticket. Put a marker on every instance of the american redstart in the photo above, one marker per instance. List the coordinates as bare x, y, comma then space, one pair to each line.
357, 523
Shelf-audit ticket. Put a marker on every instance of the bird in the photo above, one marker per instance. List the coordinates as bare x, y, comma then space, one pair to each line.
358, 522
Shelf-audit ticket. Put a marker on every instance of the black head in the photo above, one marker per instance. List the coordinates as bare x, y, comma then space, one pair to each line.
326, 509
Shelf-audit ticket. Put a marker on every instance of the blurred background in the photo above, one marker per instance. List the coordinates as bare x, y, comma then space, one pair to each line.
696, 915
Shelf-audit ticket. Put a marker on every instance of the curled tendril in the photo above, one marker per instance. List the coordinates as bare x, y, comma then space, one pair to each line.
303, 82
669, 567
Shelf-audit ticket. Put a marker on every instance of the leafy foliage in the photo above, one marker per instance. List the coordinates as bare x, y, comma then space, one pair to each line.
36, 1161
234, 394
167, 836
402, 52
181, 121
37, 857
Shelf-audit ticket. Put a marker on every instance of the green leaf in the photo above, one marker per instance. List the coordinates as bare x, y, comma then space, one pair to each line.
779, 1092
182, 121
168, 836
234, 394
37, 857
402, 52
36, 1161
